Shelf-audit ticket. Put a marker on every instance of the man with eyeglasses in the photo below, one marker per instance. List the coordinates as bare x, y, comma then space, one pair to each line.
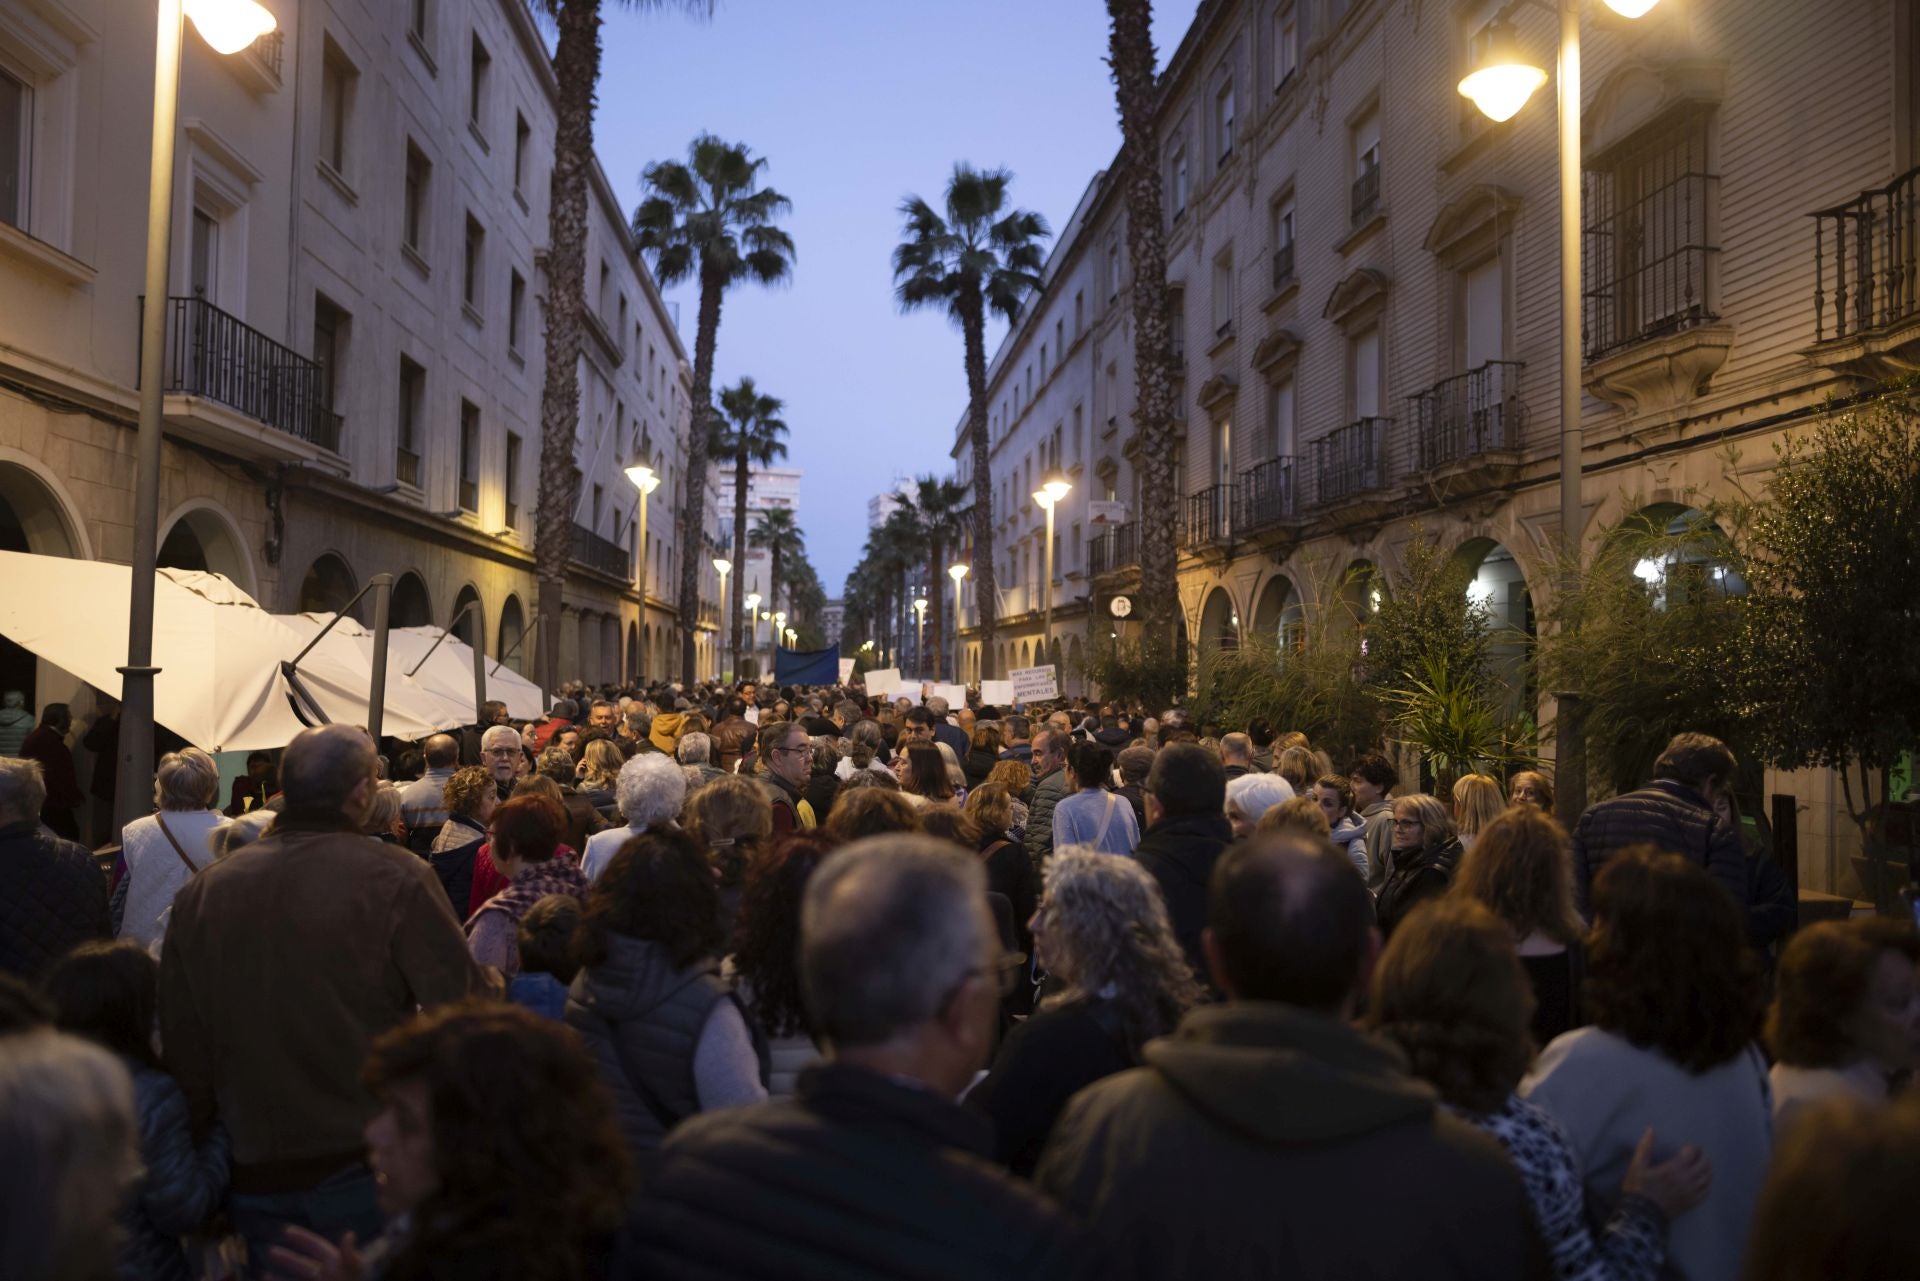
501, 752
787, 754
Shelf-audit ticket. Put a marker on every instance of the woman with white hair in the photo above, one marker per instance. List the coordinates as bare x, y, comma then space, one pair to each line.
1102, 933
1250, 796
652, 790
165, 848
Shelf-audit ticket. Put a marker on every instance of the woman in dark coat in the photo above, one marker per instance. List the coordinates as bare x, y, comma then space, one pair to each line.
1425, 852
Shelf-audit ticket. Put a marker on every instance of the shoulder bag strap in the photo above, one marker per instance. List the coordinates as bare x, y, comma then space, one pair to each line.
193, 868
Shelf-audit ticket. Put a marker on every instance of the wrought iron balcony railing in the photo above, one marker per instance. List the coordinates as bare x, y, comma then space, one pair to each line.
216, 355
1114, 550
1365, 195
1469, 414
1267, 494
1351, 460
1208, 517
1869, 277
597, 552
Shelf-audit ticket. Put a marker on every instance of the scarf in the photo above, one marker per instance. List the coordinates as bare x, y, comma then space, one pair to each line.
533, 884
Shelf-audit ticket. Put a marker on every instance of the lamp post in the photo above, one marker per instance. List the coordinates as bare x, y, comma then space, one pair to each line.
646, 480
752, 603
1055, 487
920, 633
724, 567
957, 572
779, 629
1500, 83
228, 26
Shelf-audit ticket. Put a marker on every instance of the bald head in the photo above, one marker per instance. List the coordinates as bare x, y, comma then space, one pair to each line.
1288, 920
330, 769
441, 751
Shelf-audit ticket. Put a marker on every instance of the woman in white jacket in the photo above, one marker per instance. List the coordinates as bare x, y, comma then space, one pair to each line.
163, 849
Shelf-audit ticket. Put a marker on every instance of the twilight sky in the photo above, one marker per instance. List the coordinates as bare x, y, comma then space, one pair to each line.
856, 103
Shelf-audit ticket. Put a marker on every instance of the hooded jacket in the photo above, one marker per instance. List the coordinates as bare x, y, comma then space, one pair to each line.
1181, 852
1255, 1143
1350, 834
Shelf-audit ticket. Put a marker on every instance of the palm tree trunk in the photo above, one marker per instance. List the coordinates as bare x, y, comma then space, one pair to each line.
1130, 50
773, 584
974, 325
738, 603
936, 599
692, 523
576, 66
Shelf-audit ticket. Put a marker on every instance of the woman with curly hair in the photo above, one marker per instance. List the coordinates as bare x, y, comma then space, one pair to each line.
731, 819
1017, 778
1521, 871
1102, 933
1450, 993
471, 798
1675, 997
1529, 787
537, 1199
668, 1033
599, 772
765, 965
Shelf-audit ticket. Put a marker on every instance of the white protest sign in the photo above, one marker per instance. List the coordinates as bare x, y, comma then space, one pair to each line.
1034, 684
956, 696
1107, 512
752, 714
882, 681
846, 670
996, 693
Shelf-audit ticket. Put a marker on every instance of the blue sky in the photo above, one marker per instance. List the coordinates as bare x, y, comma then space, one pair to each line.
856, 103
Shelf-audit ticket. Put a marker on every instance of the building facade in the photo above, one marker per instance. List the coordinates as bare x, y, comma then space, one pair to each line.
768, 488
1366, 303
355, 344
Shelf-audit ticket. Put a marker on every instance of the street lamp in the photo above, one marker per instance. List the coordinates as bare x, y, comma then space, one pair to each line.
725, 567
957, 571
793, 638
1500, 82
1055, 487
779, 626
752, 603
228, 26
920, 632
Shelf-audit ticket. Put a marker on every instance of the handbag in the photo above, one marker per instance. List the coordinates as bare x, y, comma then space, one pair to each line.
193, 869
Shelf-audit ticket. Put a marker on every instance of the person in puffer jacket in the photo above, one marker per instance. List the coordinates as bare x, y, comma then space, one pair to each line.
1334, 794
109, 993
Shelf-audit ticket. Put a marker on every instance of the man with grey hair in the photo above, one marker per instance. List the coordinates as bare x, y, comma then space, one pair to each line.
501, 751
55, 898
695, 754
1049, 785
1236, 755
872, 1168
651, 791
423, 802
283, 962
944, 732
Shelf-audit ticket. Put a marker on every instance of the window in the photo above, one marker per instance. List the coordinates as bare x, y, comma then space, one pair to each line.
1074, 564
481, 64
417, 19
1113, 395
1177, 184
471, 276
469, 456
1043, 362
329, 346
1079, 312
1113, 268
1364, 201
1060, 338
522, 141
1363, 374
1649, 235
416, 208
338, 78
1286, 45
1223, 123
620, 330
16, 148
1482, 328
1223, 309
598, 495
413, 392
516, 310
1078, 447
203, 256
513, 480
1280, 421
1282, 238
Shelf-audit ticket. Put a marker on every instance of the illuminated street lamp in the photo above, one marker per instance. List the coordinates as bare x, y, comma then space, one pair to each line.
752, 603
1055, 487
920, 632
228, 26
724, 567
958, 572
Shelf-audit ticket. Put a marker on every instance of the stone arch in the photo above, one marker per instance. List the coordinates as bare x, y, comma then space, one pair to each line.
1219, 623
36, 517
1076, 673
1279, 615
586, 664
1695, 553
472, 628
513, 626
1499, 586
328, 585
201, 535
633, 652
609, 672
410, 605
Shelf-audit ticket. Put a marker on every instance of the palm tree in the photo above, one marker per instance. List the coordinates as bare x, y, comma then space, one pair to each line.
939, 504
1130, 53
576, 69
707, 220
749, 433
902, 550
980, 255
780, 536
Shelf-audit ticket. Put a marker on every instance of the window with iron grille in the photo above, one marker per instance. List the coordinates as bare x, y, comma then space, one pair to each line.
469, 456
413, 391
1649, 232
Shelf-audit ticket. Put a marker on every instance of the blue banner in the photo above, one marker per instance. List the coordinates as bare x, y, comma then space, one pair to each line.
806, 667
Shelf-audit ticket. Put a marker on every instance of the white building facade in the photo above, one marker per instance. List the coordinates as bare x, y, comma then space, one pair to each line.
355, 334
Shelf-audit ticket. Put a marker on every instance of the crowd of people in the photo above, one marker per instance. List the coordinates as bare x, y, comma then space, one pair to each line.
745, 982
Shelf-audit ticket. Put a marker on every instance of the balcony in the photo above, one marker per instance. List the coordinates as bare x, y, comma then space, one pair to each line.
1350, 461
214, 356
1267, 495
1364, 196
1468, 415
1207, 518
1866, 299
602, 554
1113, 551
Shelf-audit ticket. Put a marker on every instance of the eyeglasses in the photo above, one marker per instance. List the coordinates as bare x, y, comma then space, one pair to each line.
502, 753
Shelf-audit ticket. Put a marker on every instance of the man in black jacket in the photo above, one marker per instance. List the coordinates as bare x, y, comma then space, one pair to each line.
1674, 813
55, 897
872, 1169
1186, 830
1253, 1143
